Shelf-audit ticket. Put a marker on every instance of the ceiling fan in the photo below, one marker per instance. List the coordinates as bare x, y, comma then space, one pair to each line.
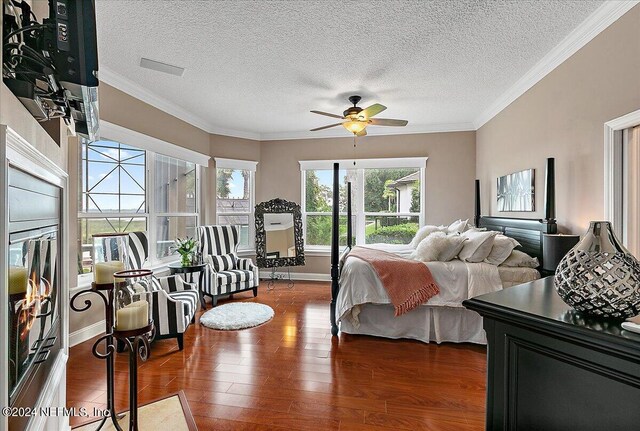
357, 119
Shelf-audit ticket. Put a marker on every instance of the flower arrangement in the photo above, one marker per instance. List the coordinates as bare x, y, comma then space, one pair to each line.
186, 248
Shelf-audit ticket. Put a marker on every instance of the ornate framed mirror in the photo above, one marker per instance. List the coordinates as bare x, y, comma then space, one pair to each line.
279, 239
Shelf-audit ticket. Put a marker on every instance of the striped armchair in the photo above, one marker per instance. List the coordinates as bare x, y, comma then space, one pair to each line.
174, 301
226, 273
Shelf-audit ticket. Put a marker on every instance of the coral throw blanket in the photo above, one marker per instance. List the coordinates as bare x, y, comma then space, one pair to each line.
408, 283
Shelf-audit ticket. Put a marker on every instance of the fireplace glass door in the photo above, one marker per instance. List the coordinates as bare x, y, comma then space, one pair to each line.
33, 297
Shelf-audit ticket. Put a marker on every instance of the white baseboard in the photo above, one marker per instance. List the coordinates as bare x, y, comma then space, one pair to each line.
306, 276
86, 333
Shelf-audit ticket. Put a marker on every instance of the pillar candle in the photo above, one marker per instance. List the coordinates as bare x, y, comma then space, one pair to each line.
133, 316
103, 271
17, 280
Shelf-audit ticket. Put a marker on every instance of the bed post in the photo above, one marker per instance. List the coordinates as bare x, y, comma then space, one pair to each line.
476, 219
550, 192
335, 231
349, 215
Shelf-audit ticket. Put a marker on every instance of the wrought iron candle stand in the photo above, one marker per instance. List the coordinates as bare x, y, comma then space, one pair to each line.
137, 341
105, 292
109, 254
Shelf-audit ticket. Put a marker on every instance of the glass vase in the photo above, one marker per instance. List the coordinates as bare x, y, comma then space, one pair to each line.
599, 276
186, 260
132, 300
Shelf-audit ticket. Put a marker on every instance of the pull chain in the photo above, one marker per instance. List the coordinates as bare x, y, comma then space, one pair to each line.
354, 149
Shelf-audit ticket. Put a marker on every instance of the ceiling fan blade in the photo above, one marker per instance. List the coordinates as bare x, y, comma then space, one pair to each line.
328, 114
372, 110
362, 132
387, 122
325, 127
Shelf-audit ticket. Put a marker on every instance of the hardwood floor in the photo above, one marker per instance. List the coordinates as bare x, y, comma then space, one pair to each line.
290, 374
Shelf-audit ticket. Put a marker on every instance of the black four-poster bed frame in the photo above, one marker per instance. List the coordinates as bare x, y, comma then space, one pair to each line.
528, 232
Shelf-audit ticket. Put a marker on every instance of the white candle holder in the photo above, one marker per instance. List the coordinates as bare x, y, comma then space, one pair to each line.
133, 325
132, 300
110, 254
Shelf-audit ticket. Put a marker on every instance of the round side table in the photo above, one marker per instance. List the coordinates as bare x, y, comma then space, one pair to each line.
188, 271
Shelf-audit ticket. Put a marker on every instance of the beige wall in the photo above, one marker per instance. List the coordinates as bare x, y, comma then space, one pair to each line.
563, 116
449, 177
16, 116
119, 108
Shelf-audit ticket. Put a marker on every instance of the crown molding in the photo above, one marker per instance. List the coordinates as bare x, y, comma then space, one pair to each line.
133, 89
339, 132
600, 19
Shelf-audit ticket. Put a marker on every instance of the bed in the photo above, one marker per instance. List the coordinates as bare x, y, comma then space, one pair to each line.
360, 305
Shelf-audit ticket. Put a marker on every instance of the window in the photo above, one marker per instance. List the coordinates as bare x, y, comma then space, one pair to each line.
318, 201
235, 196
112, 193
175, 195
125, 189
387, 200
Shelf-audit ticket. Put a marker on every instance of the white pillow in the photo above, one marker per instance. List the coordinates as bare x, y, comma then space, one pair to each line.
478, 247
438, 247
424, 232
501, 250
458, 226
520, 259
476, 229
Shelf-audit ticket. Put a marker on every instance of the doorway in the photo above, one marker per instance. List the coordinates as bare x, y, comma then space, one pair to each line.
622, 179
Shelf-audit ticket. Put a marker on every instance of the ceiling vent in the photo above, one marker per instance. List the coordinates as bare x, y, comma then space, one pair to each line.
161, 67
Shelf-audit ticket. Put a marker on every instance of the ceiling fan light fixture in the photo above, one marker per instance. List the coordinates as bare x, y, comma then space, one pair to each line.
355, 126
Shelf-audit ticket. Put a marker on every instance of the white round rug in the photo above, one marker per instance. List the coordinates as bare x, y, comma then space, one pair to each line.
237, 315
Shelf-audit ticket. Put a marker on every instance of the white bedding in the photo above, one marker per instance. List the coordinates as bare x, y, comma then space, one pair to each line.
359, 284
442, 318
511, 276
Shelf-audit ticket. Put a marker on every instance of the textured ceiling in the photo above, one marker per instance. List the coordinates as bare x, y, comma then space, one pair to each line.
259, 67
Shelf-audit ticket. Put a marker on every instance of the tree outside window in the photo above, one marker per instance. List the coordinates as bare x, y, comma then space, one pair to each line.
234, 198
390, 205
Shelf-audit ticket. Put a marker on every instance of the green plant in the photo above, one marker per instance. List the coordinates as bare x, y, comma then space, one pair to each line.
398, 234
185, 248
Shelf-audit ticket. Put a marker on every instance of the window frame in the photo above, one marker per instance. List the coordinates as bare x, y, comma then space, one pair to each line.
154, 214
357, 204
152, 147
251, 166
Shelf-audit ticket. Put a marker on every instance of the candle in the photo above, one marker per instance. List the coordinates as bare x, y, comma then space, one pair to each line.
103, 271
133, 316
17, 280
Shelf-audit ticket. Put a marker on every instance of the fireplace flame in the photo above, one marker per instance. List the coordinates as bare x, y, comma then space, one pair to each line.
31, 305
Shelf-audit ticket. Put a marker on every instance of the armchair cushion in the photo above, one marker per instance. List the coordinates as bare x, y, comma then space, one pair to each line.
234, 276
223, 262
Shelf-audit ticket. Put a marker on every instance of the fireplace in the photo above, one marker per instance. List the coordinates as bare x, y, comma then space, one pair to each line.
34, 285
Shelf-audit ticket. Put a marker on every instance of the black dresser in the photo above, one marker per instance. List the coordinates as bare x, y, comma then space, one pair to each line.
552, 368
